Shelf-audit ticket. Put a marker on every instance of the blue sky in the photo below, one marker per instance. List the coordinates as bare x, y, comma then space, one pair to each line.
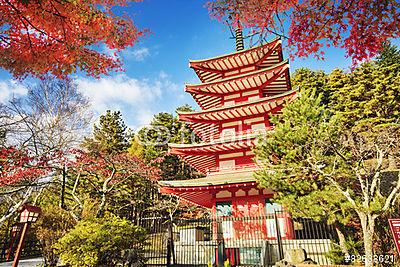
157, 67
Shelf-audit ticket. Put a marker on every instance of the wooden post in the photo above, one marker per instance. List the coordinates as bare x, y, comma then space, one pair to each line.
11, 249
278, 237
20, 244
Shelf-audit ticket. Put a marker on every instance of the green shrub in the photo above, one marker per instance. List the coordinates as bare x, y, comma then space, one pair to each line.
53, 224
100, 242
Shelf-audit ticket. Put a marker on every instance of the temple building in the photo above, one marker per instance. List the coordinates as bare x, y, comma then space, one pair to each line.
237, 94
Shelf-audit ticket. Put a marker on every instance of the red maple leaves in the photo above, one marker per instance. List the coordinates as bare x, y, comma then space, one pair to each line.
17, 166
60, 37
360, 27
118, 167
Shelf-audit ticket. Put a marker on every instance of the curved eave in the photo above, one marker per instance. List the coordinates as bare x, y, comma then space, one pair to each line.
201, 191
237, 143
216, 67
200, 62
243, 82
247, 109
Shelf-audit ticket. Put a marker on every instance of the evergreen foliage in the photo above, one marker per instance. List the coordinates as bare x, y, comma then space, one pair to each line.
52, 225
338, 161
163, 129
110, 135
100, 242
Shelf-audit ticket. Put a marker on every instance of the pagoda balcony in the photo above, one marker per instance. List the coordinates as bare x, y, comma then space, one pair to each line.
235, 134
233, 169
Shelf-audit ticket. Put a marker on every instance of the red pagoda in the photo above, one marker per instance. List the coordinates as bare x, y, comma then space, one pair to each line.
237, 94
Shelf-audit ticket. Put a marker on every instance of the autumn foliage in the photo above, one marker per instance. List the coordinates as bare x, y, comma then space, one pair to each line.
17, 166
360, 27
60, 37
115, 167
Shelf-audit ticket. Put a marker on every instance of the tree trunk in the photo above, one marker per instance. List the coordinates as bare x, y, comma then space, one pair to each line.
63, 185
368, 227
392, 162
342, 241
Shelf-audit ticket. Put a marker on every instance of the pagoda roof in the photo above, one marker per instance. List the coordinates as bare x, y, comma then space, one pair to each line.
272, 79
215, 68
246, 109
217, 179
242, 82
203, 156
200, 191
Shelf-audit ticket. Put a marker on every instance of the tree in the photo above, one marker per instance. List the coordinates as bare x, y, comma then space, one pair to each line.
110, 135
390, 55
53, 224
166, 128
100, 242
360, 27
19, 174
312, 153
313, 81
117, 183
43, 126
367, 97
50, 118
58, 37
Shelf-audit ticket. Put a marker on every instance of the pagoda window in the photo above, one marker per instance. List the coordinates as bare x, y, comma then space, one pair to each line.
253, 98
271, 207
258, 127
228, 132
229, 103
227, 164
224, 209
272, 210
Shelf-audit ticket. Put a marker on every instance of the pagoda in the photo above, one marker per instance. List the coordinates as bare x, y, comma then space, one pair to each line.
237, 94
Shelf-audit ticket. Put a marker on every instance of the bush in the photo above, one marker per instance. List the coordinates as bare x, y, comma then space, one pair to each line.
100, 242
53, 224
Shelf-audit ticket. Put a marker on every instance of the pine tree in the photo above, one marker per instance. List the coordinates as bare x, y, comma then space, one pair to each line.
110, 135
166, 128
331, 162
389, 56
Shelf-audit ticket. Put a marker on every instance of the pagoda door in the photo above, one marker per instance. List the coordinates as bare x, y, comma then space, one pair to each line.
276, 216
250, 224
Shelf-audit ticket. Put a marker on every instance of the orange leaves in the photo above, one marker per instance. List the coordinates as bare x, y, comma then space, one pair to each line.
61, 37
123, 166
360, 27
17, 166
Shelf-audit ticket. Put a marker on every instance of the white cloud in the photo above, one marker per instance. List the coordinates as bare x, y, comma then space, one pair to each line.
10, 89
137, 99
138, 54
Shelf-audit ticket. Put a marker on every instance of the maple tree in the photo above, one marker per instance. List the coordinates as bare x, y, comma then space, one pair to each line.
60, 37
360, 27
17, 166
113, 181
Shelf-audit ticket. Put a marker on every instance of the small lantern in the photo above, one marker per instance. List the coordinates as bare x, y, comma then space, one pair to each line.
16, 228
30, 214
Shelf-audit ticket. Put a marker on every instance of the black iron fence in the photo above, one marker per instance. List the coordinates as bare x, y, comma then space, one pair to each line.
244, 241
31, 249
9, 244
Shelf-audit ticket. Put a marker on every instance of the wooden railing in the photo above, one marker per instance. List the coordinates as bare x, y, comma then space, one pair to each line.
236, 168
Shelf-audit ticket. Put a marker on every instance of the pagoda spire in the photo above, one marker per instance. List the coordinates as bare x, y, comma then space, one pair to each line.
239, 39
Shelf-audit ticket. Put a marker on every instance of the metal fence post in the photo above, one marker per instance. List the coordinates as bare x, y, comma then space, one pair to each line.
170, 246
169, 237
278, 237
221, 245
